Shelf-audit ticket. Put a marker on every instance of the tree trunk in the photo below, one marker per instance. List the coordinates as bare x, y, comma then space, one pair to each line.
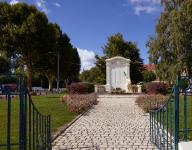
30, 77
50, 84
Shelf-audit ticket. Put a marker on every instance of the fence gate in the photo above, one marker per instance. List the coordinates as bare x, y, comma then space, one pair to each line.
171, 122
22, 126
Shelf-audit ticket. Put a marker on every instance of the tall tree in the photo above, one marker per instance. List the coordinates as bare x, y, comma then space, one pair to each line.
25, 31
69, 61
171, 48
117, 46
75, 65
48, 65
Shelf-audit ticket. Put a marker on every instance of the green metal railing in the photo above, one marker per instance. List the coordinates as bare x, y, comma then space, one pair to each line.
22, 126
171, 122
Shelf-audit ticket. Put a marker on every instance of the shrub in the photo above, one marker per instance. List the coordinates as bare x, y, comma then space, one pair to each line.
148, 76
79, 102
156, 88
65, 91
143, 88
150, 102
117, 91
81, 88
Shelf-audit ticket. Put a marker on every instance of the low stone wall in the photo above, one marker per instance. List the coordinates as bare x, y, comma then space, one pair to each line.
100, 89
134, 89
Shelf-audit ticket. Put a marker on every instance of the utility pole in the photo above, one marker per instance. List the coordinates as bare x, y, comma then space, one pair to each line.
58, 61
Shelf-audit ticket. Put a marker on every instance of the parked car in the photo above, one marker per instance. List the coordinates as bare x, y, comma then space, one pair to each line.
4, 88
189, 91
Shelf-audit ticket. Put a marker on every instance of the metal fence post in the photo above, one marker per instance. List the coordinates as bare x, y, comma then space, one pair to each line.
9, 123
176, 116
22, 120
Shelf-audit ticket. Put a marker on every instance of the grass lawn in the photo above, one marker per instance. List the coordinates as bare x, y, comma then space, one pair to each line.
49, 104
188, 116
181, 117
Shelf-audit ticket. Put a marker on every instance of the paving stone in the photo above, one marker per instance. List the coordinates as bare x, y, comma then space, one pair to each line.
115, 123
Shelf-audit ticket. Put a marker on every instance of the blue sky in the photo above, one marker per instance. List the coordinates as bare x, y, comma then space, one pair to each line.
89, 22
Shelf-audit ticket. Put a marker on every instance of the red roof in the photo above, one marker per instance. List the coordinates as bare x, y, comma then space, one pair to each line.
150, 67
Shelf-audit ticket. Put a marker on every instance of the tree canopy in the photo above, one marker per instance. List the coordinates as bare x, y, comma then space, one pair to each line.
148, 76
4, 65
27, 32
171, 49
117, 46
97, 74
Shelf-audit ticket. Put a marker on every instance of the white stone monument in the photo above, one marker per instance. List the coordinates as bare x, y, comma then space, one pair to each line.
118, 74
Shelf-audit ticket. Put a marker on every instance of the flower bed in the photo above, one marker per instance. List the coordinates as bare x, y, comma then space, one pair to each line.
151, 102
79, 102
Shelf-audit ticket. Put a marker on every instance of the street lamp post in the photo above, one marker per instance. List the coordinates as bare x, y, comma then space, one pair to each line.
58, 57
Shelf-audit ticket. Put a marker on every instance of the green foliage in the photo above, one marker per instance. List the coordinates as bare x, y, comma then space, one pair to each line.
143, 88
26, 32
101, 70
171, 48
97, 74
88, 75
117, 46
118, 91
75, 66
148, 76
69, 60
4, 65
7, 79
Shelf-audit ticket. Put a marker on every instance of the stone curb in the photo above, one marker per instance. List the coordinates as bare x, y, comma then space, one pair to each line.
65, 127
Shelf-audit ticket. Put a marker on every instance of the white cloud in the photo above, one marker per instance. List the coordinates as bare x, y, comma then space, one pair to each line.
87, 59
57, 4
147, 9
144, 6
13, 2
146, 1
42, 4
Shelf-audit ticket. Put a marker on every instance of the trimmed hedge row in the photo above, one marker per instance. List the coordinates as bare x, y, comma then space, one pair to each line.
80, 88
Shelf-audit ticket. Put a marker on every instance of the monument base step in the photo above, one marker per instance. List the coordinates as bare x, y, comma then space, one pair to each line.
185, 145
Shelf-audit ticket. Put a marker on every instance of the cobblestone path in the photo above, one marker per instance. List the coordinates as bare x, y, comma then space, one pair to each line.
116, 123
